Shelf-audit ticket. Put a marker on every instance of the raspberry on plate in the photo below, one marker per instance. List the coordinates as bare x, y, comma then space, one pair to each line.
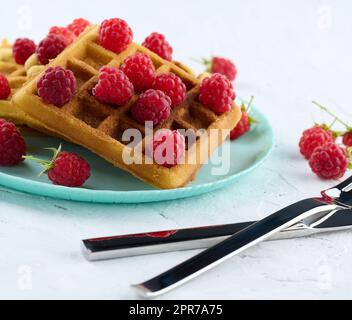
50, 48
5, 90
216, 93
223, 66
140, 69
153, 106
65, 33
157, 43
329, 161
167, 148
77, 26
115, 35
23, 49
172, 86
314, 138
65, 169
113, 87
12, 145
245, 123
57, 86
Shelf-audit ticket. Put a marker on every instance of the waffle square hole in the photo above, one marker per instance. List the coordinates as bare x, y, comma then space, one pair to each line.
97, 56
91, 115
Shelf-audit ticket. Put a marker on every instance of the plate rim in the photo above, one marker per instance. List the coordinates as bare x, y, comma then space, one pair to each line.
126, 197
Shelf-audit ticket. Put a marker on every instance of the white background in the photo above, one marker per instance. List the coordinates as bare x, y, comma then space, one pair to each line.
288, 53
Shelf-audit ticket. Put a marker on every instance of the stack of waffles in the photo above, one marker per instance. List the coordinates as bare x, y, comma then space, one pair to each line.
99, 127
17, 76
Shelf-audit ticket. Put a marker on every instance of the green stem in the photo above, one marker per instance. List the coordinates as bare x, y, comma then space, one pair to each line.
337, 119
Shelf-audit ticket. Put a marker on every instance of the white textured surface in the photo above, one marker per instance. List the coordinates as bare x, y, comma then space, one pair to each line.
287, 54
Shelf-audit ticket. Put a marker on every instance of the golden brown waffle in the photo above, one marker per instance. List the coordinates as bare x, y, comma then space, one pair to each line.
17, 76
99, 127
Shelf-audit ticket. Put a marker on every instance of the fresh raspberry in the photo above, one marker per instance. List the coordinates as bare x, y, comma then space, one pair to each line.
113, 87
5, 89
69, 170
23, 49
242, 127
12, 145
78, 26
115, 35
167, 148
216, 93
329, 161
172, 86
50, 48
153, 106
314, 138
57, 86
223, 66
140, 69
65, 33
157, 43
347, 139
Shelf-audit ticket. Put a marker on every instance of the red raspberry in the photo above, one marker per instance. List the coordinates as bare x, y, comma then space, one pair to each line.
12, 145
167, 148
216, 93
313, 138
23, 49
172, 86
329, 161
347, 139
242, 127
65, 33
115, 35
5, 90
57, 86
157, 43
153, 105
50, 48
140, 69
113, 87
69, 170
225, 67
78, 26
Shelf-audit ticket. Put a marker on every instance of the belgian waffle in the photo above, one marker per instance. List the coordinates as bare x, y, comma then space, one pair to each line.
17, 76
99, 127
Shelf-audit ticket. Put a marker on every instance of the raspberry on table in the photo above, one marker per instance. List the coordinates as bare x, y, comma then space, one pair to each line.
113, 87
157, 43
115, 35
329, 161
78, 26
223, 66
167, 148
347, 139
23, 49
172, 86
69, 170
50, 48
216, 93
153, 106
12, 145
140, 69
57, 86
5, 89
314, 138
65, 33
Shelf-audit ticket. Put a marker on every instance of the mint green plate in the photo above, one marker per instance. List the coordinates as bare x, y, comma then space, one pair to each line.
111, 185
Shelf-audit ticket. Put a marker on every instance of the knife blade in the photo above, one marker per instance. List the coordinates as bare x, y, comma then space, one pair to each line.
313, 209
